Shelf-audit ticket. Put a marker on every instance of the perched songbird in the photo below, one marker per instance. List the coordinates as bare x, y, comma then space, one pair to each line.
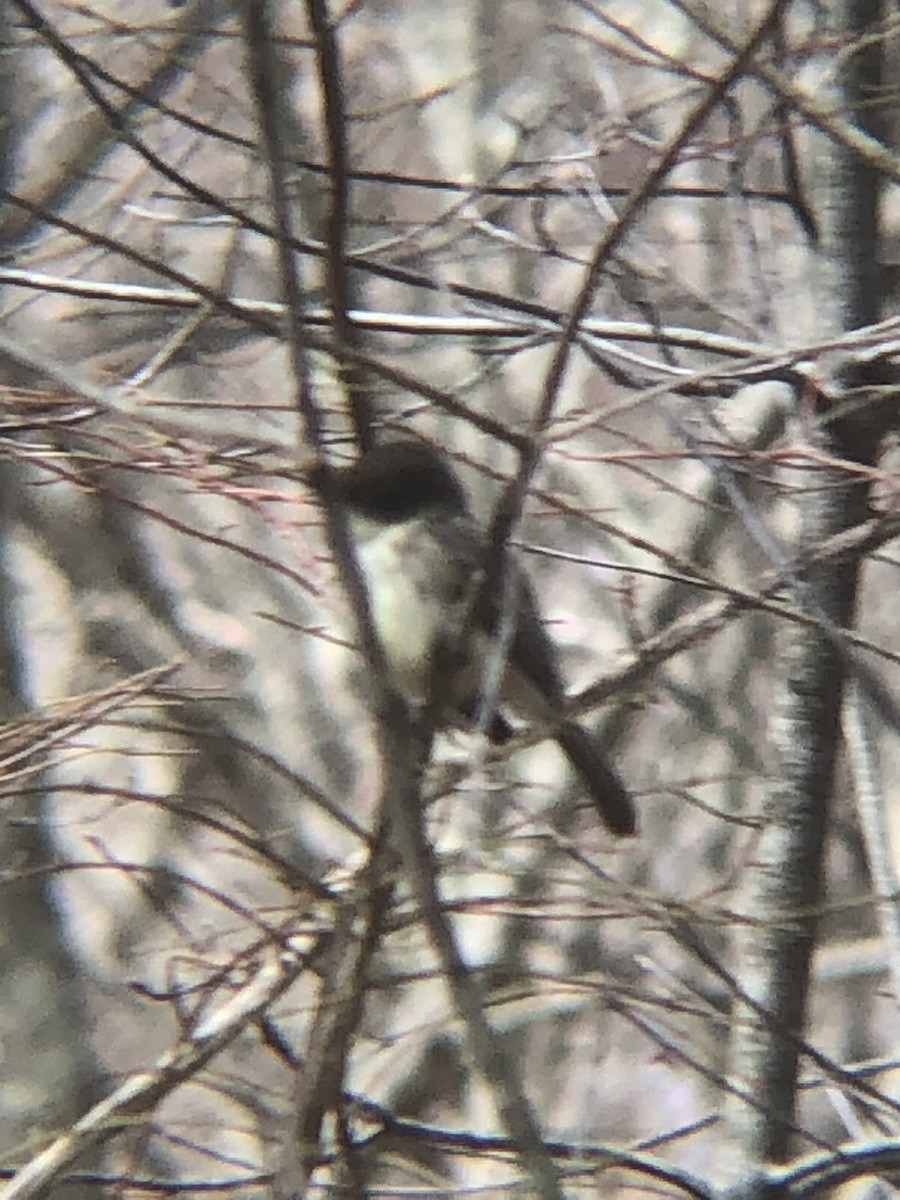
422, 557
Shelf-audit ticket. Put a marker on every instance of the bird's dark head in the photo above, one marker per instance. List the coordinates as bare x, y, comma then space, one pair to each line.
397, 481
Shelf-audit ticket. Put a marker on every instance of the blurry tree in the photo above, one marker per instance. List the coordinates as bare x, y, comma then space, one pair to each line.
631, 266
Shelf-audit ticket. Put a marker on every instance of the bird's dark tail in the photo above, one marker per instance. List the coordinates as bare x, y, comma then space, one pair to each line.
611, 798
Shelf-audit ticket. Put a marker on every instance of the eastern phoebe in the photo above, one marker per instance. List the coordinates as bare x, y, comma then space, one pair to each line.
422, 556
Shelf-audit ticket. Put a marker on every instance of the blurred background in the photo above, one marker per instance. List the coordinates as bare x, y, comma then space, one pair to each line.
189, 770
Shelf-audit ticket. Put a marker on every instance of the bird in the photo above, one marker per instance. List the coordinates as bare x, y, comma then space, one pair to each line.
436, 610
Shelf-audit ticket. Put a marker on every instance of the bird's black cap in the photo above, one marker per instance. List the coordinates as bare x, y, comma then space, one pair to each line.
398, 480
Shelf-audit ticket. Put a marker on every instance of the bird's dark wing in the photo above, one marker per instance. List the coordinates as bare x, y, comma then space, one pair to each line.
531, 651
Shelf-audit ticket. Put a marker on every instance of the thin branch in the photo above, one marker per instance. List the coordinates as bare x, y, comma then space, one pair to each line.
340, 289
133, 1099
851, 136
